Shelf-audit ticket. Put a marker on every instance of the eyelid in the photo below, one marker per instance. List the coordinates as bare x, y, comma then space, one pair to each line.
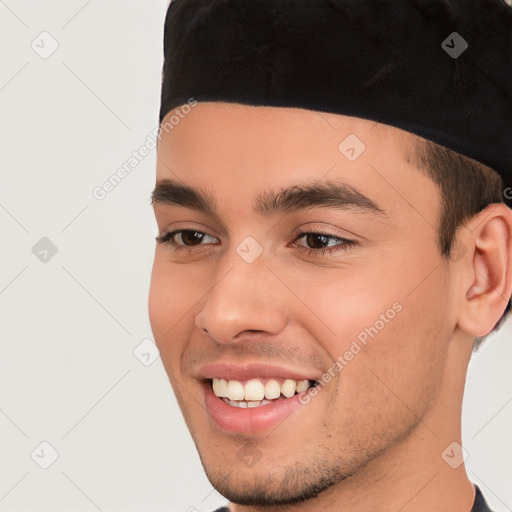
167, 236
167, 219
343, 245
301, 230
200, 228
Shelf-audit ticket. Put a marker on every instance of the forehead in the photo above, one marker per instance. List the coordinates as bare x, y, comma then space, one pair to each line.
250, 117
238, 151
263, 133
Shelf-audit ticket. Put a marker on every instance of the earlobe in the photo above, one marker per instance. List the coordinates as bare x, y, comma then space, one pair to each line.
487, 284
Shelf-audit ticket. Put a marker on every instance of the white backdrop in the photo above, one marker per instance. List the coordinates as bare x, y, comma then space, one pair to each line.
79, 92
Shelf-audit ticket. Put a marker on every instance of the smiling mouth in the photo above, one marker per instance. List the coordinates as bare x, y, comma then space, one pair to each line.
257, 392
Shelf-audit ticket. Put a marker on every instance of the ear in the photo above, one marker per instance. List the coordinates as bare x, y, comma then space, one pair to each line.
487, 274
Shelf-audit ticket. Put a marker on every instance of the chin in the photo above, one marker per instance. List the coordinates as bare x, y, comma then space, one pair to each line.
253, 483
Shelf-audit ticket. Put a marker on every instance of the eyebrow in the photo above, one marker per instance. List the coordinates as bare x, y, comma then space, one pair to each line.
328, 194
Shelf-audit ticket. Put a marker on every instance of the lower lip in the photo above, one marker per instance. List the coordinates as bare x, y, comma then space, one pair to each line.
248, 420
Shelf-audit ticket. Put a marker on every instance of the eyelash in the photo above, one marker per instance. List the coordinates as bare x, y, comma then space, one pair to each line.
167, 238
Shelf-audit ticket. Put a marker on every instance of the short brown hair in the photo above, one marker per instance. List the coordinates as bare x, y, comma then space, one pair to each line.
466, 186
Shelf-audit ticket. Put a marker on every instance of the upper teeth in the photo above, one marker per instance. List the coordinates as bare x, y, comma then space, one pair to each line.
256, 389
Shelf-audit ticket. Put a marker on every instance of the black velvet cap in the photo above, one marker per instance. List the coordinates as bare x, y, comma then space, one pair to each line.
441, 69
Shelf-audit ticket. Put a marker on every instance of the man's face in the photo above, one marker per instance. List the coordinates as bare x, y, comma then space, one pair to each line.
249, 296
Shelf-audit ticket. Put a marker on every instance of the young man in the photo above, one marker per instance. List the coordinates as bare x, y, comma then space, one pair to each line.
333, 238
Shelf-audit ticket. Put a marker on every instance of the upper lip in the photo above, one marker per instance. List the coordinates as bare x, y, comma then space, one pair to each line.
242, 371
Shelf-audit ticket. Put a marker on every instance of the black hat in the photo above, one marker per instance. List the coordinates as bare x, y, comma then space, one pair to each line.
441, 69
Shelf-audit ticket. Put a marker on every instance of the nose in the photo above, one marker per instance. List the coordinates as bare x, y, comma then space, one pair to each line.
244, 297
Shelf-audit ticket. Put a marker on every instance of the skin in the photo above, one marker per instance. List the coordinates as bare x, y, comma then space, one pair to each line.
373, 437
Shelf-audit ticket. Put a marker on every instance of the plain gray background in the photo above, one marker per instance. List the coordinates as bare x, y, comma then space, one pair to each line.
73, 306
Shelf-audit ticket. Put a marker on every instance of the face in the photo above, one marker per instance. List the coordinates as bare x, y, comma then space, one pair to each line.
277, 281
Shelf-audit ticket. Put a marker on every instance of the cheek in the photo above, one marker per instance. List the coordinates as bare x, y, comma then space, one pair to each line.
400, 368
171, 297
388, 327
343, 305
169, 304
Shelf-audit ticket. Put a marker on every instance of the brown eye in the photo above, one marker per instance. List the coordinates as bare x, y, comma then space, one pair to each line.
189, 238
318, 243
